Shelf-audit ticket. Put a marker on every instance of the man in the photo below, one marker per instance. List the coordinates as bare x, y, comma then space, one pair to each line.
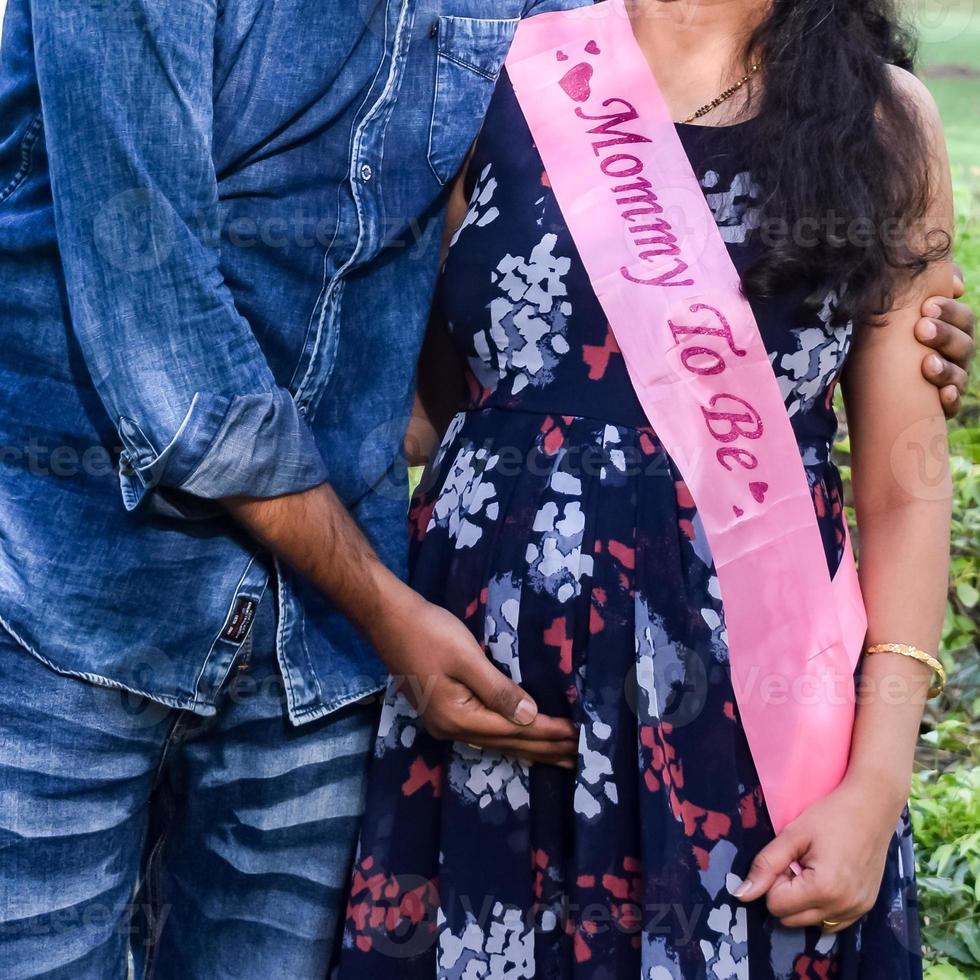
219, 227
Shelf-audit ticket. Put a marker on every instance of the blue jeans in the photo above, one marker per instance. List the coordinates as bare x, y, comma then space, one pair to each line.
134, 836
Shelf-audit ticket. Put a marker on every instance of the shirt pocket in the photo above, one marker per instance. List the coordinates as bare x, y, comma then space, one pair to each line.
470, 53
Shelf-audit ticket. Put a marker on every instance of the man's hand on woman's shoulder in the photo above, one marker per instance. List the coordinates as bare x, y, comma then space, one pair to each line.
948, 326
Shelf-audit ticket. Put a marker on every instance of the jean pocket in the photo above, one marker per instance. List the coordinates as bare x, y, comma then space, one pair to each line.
470, 53
24, 159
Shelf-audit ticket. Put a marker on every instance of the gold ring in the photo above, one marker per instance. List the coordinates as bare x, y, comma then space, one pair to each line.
829, 924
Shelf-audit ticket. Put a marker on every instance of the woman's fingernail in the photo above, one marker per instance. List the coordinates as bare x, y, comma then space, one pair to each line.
525, 713
743, 889
932, 309
927, 330
567, 764
935, 364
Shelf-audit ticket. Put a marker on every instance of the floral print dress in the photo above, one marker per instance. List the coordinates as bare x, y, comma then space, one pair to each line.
555, 526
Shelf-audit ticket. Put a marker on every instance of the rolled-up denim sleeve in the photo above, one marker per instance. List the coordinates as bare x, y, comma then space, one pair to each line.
126, 96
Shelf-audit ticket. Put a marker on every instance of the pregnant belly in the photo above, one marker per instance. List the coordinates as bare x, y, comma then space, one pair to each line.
564, 492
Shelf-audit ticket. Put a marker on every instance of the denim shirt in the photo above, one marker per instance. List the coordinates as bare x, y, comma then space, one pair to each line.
219, 230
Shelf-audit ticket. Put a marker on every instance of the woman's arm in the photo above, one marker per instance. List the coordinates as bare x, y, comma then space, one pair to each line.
440, 388
903, 497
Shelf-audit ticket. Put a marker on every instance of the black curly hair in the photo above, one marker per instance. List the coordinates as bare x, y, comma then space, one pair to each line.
840, 153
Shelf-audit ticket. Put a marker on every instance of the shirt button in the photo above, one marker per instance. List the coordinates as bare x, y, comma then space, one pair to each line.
366, 172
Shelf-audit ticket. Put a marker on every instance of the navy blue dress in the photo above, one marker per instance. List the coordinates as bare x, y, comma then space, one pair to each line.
555, 526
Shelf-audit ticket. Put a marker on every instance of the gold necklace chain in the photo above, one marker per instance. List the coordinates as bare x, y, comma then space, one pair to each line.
725, 96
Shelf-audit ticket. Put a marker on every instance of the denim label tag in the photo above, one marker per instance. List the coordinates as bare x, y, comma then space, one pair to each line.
236, 629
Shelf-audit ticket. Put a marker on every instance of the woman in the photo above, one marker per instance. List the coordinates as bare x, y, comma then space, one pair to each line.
554, 523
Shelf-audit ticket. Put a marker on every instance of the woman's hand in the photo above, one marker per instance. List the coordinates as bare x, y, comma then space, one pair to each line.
841, 842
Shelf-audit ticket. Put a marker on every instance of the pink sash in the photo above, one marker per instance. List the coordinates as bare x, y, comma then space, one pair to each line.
693, 350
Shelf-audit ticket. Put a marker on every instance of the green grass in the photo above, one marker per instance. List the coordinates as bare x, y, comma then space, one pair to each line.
949, 61
946, 791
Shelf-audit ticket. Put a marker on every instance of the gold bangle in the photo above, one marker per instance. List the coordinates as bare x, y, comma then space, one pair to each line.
907, 650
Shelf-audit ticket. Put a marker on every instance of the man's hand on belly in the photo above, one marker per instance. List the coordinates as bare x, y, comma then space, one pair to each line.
459, 694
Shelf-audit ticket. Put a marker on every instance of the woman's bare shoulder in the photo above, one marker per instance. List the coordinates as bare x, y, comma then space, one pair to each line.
916, 94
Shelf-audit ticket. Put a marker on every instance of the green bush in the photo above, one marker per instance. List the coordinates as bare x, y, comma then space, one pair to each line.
946, 820
945, 801
946, 788
946, 791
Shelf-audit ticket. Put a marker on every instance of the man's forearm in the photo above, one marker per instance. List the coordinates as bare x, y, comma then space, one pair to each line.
315, 534
459, 693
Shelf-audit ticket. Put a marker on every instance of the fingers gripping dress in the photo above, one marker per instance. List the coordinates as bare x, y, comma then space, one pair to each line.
555, 526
